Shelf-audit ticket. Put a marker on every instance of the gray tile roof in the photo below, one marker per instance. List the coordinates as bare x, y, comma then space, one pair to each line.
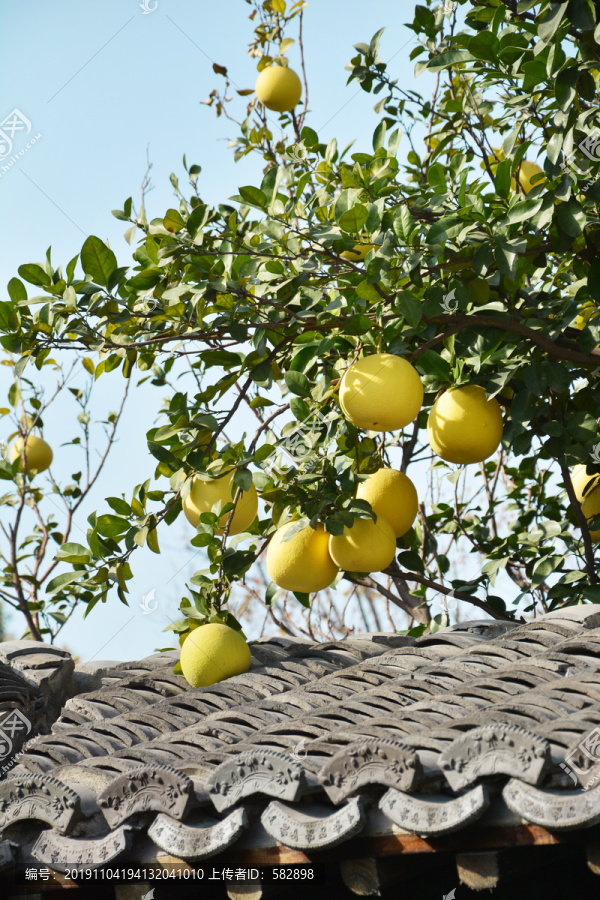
314, 746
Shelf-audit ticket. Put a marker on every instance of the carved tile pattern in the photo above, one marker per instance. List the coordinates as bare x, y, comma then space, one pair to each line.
301, 832
159, 788
492, 750
39, 797
369, 762
197, 841
252, 772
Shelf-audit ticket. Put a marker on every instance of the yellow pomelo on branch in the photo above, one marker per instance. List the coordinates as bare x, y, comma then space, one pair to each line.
583, 484
464, 426
366, 546
587, 492
278, 88
303, 562
212, 653
204, 495
393, 496
527, 171
381, 392
38, 453
585, 314
358, 252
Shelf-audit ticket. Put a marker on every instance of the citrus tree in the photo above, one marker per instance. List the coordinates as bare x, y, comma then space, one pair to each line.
458, 252
38, 511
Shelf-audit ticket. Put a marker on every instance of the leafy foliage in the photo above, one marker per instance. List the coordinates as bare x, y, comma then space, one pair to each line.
257, 300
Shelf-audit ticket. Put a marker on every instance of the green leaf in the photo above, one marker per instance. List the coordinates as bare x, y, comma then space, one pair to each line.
111, 526
403, 223
17, 291
484, 45
431, 363
34, 274
379, 135
354, 219
97, 260
173, 221
297, 383
549, 24
271, 593
74, 553
502, 178
447, 59
571, 218
358, 324
253, 196
243, 478
61, 580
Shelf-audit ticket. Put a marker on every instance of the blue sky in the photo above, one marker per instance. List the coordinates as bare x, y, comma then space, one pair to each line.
102, 83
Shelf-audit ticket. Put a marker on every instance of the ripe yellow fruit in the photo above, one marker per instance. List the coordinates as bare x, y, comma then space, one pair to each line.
278, 88
381, 392
585, 314
393, 496
464, 426
303, 563
204, 495
213, 652
366, 546
583, 484
527, 170
38, 452
358, 252
587, 492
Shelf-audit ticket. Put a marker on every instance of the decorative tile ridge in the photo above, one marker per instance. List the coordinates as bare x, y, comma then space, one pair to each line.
148, 787
62, 853
311, 828
434, 814
39, 797
255, 772
562, 810
495, 749
370, 761
201, 837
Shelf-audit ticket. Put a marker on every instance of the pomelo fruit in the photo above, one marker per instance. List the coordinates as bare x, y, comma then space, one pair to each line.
366, 546
278, 88
381, 392
204, 494
393, 496
464, 426
38, 452
212, 653
303, 563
